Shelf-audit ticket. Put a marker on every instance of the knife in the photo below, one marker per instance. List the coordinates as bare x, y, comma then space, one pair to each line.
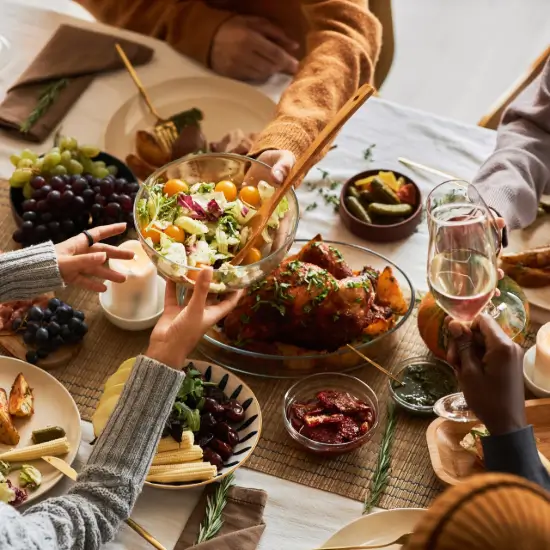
71, 473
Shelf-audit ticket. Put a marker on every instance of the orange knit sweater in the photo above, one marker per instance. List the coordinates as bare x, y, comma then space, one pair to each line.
340, 42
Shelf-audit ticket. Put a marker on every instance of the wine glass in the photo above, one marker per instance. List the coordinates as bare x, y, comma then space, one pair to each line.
463, 267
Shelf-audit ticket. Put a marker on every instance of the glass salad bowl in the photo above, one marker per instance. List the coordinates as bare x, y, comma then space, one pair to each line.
277, 360
200, 219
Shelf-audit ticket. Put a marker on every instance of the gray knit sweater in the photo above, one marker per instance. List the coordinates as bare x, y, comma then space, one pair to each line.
515, 176
109, 485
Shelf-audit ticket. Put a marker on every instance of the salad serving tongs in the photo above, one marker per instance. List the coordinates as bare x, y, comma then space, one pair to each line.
303, 165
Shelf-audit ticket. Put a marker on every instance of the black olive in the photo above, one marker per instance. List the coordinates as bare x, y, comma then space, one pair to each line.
212, 406
226, 433
215, 393
204, 440
207, 423
234, 411
223, 449
213, 457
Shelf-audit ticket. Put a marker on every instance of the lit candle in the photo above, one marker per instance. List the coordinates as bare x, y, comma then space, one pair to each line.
136, 298
541, 372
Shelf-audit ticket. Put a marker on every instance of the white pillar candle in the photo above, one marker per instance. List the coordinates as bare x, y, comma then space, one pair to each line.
136, 298
541, 371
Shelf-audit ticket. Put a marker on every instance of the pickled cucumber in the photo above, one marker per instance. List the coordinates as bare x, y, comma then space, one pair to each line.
393, 210
47, 434
353, 191
355, 207
365, 198
382, 193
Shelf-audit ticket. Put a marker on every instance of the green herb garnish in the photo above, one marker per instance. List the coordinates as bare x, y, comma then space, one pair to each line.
215, 504
45, 101
368, 152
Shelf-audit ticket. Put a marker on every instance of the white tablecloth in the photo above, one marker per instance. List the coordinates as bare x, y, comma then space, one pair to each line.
295, 515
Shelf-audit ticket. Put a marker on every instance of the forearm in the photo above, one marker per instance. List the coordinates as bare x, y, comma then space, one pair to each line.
187, 25
515, 453
110, 483
28, 272
343, 46
515, 176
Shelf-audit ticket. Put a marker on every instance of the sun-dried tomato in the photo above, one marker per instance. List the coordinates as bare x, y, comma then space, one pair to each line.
299, 410
342, 402
322, 434
312, 420
365, 416
364, 428
348, 429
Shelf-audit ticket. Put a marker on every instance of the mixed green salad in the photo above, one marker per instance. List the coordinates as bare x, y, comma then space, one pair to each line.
204, 224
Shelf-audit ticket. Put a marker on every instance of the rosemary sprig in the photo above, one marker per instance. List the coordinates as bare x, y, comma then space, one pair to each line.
368, 152
45, 101
380, 478
212, 522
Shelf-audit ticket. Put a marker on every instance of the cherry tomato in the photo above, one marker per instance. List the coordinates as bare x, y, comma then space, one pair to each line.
173, 187
252, 256
250, 195
192, 274
228, 188
151, 233
176, 233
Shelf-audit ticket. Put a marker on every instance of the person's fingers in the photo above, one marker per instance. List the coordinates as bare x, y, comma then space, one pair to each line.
170, 294
256, 68
89, 283
272, 32
491, 330
225, 306
83, 262
463, 345
452, 357
105, 273
197, 303
278, 58
113, 252
283, 166
500, 223
102, 232
500, 274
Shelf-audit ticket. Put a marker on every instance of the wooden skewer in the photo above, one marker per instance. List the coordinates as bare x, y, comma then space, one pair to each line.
303, 165
374, 364
434, 171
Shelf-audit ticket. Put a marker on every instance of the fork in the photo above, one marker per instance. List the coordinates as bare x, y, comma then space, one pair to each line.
165, 130
403, 539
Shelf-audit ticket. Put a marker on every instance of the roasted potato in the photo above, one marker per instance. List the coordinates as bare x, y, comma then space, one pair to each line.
141, 169
380, 326
528, 277
389, 293
149, 150
190, 140
21, 398
8, 434
536, 257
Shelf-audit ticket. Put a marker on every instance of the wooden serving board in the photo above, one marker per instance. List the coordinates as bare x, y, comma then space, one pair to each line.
452, 464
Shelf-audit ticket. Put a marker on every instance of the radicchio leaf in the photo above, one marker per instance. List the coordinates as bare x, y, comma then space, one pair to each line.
213, 210
196, 210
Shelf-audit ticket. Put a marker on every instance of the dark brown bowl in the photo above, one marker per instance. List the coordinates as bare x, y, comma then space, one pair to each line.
374, 232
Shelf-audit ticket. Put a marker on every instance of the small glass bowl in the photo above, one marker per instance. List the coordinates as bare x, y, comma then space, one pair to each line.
307, 388
400, 367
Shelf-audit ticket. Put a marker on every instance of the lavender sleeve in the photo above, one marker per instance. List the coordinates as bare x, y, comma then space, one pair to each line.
517, 174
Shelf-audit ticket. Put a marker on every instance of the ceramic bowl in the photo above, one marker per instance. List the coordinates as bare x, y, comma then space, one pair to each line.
528, 368
133, 324
380, 233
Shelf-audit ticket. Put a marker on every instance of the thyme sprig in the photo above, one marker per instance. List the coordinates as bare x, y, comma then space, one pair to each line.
215, 504
46, 99
381, 475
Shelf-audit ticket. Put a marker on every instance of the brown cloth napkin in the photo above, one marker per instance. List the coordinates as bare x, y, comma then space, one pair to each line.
73, 53
243, 524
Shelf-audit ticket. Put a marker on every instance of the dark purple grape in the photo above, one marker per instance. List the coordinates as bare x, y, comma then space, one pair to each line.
47, 314
67, 226
96, 182
204, 440
54, 227
29, 216
223, 449
79, 186
68, 188
234, 411
88, 196
41, 336
79, 314
29, 205
46, 189
130, 219
65, 333
100, 199
35, 313
113, 210
37, 195
27, 227
42, 206
54, 197
108, 220
18, 236
16, 324
131, 187
42, 353
213, 457
78, 203
57, 183
53, 328
75, 326
96, 211
226, 433
107, 187
67, 198
133, 196
38, 182
28, 337
74, 178
46, 217
54, 303
126, 202
89, 178
64, 313
33, 326
41, 233
115, 197
66, 179
31, 357
119, 185
57, 341
96, 189
207, 423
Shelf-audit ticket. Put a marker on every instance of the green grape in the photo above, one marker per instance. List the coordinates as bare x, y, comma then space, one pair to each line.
28, 154
55, 150
100, 172
68, 143
27, 190
59, 170
52, 159
20, 177
75, 167
14, 159
66, 157
99, 164
89, 151
39, 165
112, 170
25, 163
87, 164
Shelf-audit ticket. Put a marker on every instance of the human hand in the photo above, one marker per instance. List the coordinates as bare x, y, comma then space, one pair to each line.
79, 262
281, 163
489, 367
179, 329
252, 48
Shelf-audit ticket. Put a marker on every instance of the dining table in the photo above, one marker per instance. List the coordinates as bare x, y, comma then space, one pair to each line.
296, 517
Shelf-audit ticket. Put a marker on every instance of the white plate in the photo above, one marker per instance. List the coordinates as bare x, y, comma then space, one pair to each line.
536, 235
226, 105
53, 406
377, 528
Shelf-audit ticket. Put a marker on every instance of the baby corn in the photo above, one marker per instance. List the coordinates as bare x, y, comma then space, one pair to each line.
55, 447
201, 471
181, 455
170, 444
